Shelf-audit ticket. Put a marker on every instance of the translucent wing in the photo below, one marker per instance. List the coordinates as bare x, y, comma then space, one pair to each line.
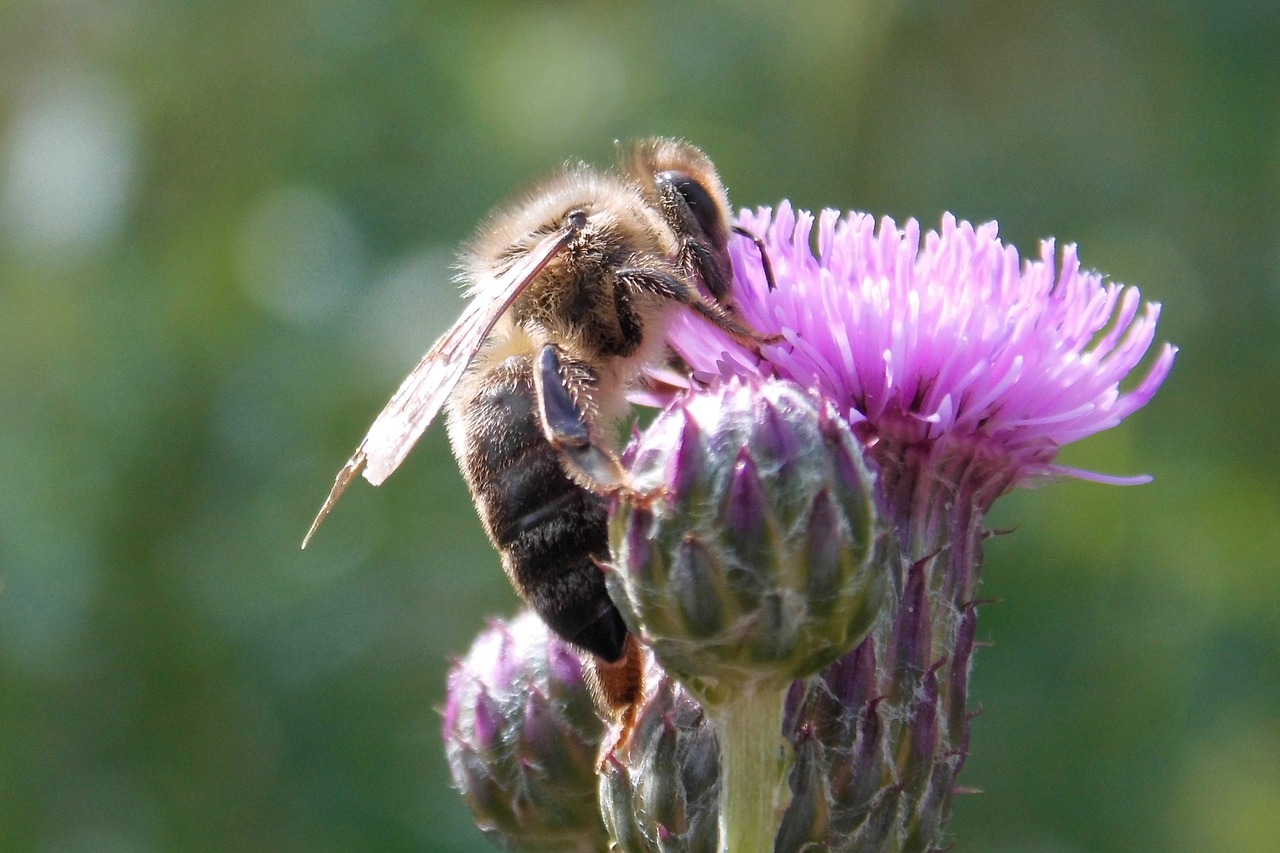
423, 393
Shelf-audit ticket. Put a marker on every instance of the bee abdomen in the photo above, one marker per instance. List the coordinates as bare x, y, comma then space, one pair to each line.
549, 530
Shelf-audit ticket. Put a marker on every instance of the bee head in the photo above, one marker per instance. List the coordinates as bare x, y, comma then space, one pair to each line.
679, 180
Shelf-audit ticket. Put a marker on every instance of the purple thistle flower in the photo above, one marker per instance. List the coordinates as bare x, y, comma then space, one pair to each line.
963, 370
951, 343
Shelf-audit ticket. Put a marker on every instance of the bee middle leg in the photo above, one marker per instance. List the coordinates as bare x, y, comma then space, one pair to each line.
565, 426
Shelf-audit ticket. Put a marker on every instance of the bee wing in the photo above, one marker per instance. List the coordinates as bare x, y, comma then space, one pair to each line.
424, 391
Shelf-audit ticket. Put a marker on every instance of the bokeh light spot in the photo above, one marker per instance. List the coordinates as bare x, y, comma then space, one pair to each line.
68, 165
300, 257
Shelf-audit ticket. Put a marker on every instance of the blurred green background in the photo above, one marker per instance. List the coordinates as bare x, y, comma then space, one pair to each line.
226, 231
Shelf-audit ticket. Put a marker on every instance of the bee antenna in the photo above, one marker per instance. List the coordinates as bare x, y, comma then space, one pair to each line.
764, 254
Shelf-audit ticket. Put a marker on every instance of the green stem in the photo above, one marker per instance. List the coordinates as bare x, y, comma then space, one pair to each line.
754, 763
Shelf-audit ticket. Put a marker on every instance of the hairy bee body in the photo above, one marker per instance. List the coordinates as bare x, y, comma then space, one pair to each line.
548, 520
572, 289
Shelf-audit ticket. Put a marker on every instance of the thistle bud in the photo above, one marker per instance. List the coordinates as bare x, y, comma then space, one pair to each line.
758, 565
659, 792
521, 736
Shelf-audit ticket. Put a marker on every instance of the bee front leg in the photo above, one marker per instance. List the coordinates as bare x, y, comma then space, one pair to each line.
669, 287
565, 426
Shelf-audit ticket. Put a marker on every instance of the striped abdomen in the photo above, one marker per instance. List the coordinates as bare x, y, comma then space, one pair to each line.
548, 529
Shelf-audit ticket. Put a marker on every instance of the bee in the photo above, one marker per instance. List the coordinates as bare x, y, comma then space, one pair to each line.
571, 290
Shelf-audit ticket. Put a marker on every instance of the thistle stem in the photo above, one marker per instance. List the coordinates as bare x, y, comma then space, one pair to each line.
755, 762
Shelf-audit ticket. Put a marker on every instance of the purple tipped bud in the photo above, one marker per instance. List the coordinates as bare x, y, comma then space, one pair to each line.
522, 735
660, 792
686, 461
808, 818
759, 566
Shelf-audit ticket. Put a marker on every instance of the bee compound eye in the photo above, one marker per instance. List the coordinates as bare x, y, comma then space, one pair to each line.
704, 209
576, 219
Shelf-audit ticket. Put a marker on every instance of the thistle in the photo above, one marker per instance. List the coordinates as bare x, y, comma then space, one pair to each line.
521, 734
963, 371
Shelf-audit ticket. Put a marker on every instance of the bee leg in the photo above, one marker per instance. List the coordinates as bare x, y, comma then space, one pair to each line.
618, 689
670, 287
702, 261
565, 427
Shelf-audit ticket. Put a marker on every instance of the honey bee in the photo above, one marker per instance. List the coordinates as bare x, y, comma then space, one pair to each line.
571, 291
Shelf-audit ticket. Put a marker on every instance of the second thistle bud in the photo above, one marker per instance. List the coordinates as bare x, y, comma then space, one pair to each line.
521, 735
758, 565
